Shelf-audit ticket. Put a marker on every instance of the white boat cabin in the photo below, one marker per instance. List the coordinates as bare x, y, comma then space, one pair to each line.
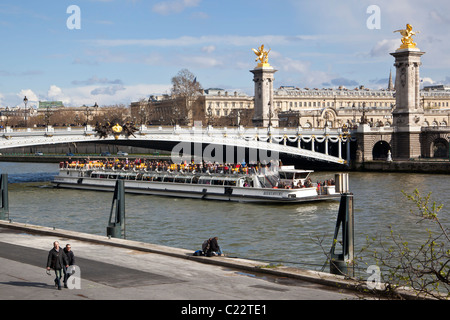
289, 176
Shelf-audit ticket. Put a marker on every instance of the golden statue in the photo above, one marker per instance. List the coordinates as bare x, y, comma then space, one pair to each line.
263, 56
407, 41
117, 130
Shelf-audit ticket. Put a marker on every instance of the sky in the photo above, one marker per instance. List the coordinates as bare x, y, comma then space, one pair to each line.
118, 51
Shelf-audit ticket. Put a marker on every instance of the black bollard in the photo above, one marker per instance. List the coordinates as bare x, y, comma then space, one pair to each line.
342, 263
4, 197
116, 225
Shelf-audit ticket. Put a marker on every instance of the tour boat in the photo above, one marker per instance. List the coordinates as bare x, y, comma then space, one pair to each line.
283, 185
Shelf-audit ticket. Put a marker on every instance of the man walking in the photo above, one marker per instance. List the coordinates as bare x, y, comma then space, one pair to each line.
70, 261
56, 260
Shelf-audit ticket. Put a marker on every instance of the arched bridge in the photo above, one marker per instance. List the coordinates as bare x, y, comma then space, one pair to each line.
291, 145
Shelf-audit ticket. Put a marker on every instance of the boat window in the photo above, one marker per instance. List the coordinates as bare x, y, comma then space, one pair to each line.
232, 183
286, 175
180, 180
301, 175
195, 180
157, 179
168, 179
112, 176
217, 182
264, 183
204, 181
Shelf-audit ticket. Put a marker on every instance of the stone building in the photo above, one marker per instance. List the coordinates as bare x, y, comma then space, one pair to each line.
309, 107
402, 120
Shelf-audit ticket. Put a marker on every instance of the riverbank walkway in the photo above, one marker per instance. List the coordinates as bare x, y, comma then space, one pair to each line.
113, 268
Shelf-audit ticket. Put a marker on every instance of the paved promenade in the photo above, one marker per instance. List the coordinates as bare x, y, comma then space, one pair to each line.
123, 269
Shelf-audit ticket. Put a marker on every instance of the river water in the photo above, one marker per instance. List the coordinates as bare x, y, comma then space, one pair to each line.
286, 234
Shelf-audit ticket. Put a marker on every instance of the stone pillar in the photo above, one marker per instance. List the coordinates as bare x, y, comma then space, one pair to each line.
263, 76
408, 112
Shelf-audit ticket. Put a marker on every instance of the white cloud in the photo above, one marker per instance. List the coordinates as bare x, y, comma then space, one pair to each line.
202, 61
110, 95
174, 6
209, 49
384, 47
31, 96
111, 90
227, 40
427, 81
96, 80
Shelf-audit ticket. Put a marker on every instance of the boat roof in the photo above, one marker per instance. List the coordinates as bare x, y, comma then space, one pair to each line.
292, 169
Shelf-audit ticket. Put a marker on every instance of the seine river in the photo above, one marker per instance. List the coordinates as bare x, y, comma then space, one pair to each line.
284, 234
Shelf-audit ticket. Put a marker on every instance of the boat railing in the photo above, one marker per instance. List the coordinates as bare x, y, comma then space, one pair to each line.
227, 180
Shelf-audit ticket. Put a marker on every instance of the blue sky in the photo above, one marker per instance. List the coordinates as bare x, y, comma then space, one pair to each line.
127, 50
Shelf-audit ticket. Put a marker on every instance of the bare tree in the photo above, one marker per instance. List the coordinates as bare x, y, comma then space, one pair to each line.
423, 268
185, 92
406, 270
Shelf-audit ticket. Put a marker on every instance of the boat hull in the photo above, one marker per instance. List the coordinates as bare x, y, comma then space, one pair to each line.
205, 192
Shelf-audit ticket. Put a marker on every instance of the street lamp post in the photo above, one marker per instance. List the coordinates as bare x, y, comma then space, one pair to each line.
88, 113
209, 111
363, 110
7, 116
25, 101
270, 114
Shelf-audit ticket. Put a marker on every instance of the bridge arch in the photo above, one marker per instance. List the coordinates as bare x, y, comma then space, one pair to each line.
440, 148
380, 150
435, 144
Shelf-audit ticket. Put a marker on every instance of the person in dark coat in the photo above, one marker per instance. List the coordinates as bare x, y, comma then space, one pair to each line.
213, 249
57, 260
70, 260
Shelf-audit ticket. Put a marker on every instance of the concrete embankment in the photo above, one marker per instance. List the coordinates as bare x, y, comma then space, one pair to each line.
170, 268
113, 268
